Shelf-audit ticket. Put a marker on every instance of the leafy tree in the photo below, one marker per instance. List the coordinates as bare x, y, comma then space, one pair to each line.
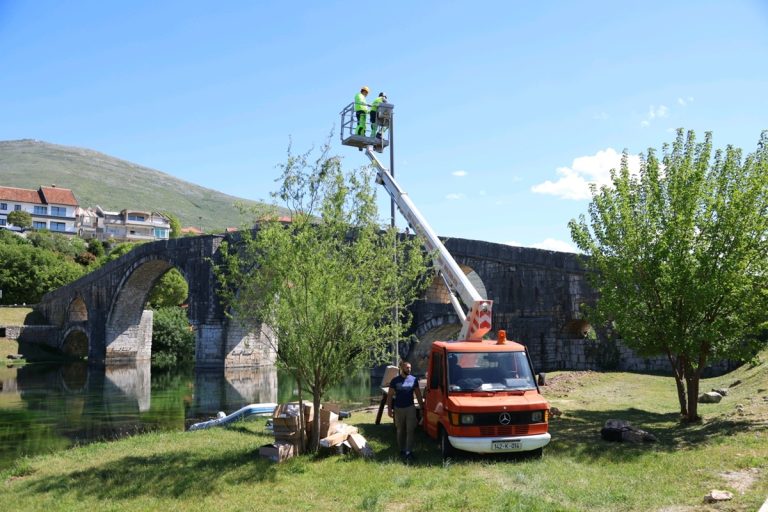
118, 250
173, 340
28, 272
171, 290
680, 254
175, 225
70, 247
95, 247
327, 282
20, 218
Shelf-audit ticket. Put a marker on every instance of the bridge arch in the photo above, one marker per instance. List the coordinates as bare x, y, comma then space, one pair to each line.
438, 327
75, 342
77, 311
437, 292
129, 325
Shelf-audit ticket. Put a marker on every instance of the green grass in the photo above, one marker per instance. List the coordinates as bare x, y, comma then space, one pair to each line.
14, 316
220, 468
114, 184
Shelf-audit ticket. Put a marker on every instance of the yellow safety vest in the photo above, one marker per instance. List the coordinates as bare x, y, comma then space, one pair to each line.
375, 105
360, 104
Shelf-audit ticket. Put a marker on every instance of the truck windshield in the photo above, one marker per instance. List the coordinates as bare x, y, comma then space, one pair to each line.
489, 371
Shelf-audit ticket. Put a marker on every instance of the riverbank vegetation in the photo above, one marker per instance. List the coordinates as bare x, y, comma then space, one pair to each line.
218, 468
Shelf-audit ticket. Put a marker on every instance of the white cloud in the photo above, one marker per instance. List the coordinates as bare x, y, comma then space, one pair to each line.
574, 180
550, 244
454, 197
654, 113
685, 101
459, 173
601, 116
514, 243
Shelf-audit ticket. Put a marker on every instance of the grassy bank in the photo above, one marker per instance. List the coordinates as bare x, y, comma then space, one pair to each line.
220, 468
13, 316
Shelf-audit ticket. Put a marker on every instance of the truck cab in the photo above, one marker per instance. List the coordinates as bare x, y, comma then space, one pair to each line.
482, 397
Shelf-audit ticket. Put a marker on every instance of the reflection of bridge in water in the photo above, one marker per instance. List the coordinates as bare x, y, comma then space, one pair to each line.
85, 402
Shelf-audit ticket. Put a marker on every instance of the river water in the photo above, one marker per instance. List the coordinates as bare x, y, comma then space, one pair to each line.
45, 408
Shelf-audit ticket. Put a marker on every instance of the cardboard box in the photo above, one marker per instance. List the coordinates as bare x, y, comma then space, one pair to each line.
278, 451
360, 445
286, 417
390, 373
328, 420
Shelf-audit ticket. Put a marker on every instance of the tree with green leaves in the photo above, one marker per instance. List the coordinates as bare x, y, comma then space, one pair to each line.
171, 290
325, 283
175, 225
20, 219
173, 340
680, 255
28, 272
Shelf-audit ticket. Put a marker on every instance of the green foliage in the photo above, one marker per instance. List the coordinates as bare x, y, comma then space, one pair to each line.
71, 247
118, 250
173, 340
328, 281
28, 272
175, 225
20, 218
680, 254
170, 290
95, 247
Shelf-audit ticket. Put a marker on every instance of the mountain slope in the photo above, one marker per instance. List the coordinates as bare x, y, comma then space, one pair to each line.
114, 184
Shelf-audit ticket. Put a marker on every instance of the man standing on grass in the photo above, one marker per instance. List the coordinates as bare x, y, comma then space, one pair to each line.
400, 406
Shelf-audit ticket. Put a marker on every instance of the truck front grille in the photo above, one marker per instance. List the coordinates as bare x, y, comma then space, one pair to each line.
504, 430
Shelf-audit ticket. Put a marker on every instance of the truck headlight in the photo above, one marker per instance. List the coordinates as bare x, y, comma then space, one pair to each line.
537, 417
467, 419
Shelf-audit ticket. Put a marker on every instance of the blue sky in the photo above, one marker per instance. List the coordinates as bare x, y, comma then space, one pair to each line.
505, 110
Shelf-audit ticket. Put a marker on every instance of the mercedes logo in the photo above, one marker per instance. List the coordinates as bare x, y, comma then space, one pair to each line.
505, 418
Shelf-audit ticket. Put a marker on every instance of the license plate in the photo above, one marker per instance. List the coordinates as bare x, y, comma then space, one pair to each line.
506, 445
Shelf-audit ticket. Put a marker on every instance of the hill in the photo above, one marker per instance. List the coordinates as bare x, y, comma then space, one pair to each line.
114, 184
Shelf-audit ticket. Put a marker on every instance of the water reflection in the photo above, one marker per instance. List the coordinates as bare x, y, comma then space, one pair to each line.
45, 408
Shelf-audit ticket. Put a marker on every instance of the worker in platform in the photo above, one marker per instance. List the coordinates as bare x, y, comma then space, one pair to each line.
400, 406
382, 98
361, 110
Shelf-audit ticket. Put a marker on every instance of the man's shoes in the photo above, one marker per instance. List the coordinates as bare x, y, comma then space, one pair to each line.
378, 135
409, 457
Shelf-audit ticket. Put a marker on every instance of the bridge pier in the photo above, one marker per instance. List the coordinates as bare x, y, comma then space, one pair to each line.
134, 343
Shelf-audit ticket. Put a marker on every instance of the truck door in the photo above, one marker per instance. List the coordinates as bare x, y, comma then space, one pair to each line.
435, 393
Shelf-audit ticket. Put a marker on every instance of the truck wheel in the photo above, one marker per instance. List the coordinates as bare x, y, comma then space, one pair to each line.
446, 450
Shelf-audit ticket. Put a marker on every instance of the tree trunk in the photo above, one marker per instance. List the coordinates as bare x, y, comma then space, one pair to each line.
317, 393
692, 381
677, 370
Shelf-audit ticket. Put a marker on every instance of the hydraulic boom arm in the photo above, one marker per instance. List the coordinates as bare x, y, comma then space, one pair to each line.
477, 322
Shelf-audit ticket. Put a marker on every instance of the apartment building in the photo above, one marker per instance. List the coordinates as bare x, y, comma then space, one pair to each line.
123, 226
52, 208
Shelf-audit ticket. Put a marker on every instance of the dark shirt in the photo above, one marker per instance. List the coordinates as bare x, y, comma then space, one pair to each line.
404, 387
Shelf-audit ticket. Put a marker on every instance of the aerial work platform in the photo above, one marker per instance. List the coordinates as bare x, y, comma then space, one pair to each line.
383, 126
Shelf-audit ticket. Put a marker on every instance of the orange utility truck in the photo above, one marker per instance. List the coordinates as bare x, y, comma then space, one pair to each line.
482, 395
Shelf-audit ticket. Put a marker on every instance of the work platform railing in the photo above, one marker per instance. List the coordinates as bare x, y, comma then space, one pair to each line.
382, 126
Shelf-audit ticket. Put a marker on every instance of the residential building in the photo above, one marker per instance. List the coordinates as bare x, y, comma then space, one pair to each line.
123, 226
52, 208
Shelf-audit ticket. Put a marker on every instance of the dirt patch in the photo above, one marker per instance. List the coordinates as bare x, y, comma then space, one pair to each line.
562, 384
742, 480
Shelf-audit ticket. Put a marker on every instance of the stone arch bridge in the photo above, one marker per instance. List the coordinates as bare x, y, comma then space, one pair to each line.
536, 293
